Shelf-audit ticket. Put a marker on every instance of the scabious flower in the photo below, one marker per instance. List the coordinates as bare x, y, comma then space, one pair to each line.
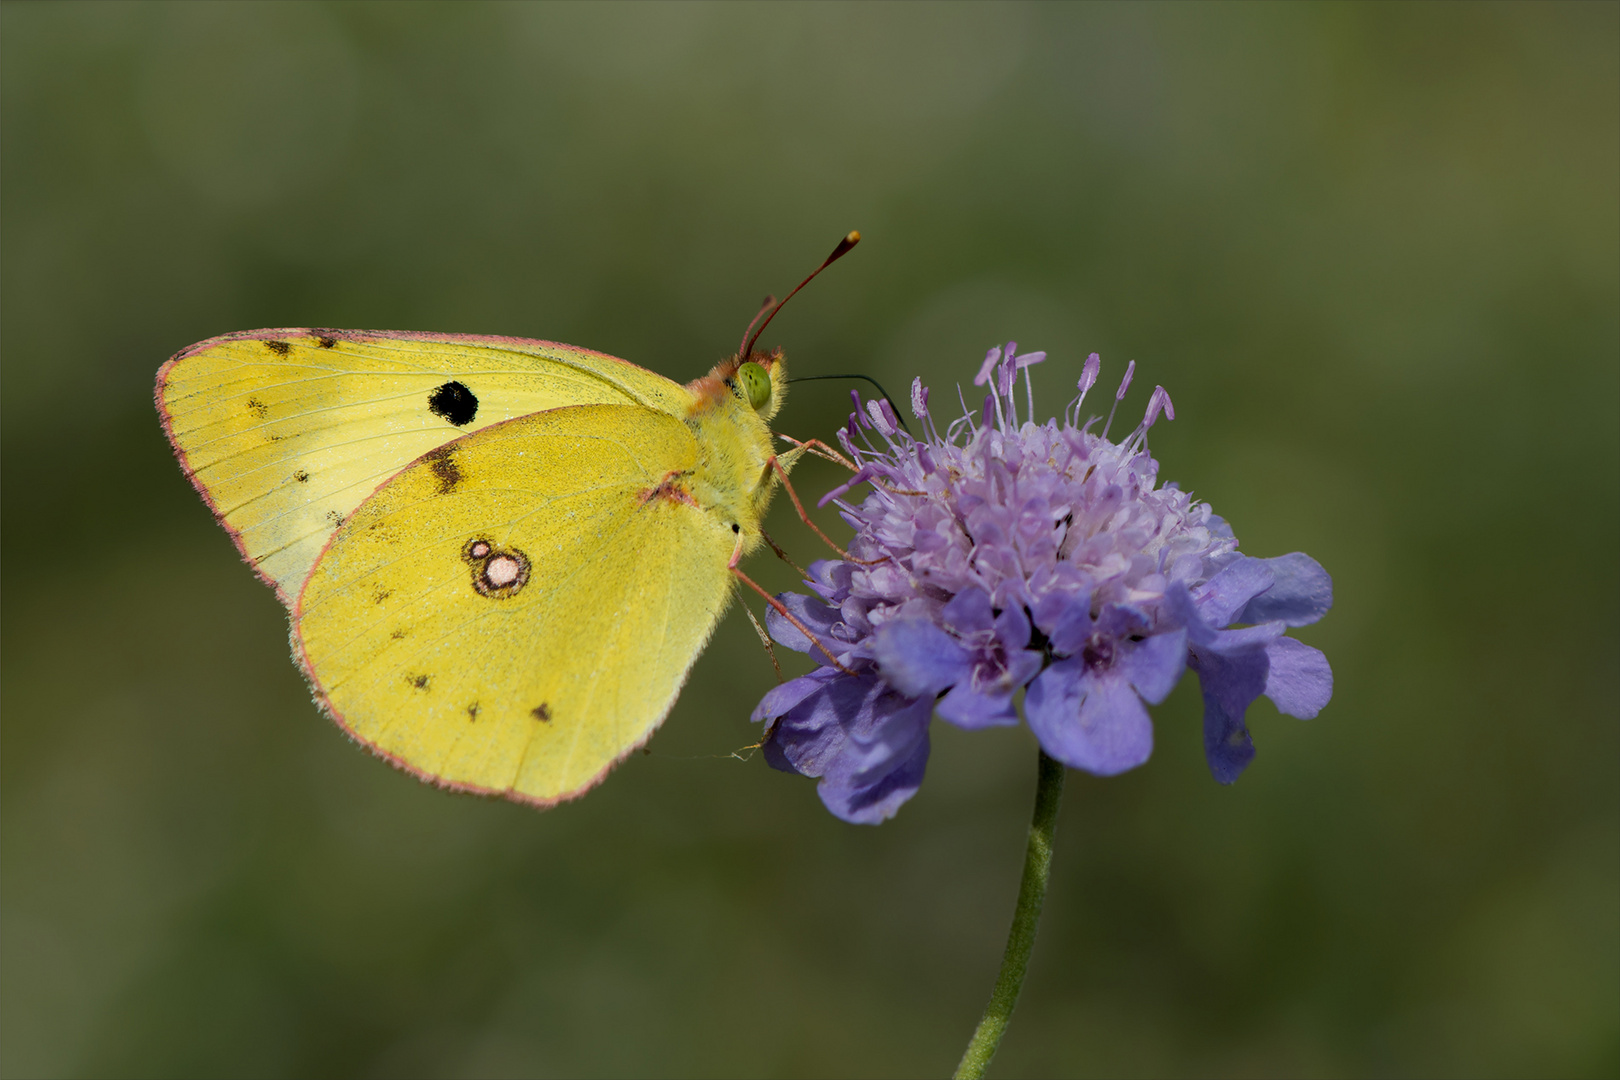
1001, 554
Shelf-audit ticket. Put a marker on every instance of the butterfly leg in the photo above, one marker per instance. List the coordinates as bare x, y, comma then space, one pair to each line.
827, 453
820, 450
765, 640
805, 517
781, 608
780, 554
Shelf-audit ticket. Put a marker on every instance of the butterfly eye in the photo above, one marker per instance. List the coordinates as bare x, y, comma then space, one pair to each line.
756, 385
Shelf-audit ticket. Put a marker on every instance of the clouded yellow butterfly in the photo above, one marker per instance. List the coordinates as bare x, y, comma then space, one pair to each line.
501, 556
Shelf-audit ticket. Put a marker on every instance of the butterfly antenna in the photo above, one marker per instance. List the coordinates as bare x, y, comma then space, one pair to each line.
898, 415
751, 335
770, 301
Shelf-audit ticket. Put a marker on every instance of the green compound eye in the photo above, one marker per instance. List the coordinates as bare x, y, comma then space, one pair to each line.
756, 385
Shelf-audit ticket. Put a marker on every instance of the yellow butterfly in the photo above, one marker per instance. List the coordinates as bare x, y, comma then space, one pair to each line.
501, 556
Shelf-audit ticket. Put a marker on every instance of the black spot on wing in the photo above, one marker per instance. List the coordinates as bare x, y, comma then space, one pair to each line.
280, 348
472, 712
541, 711
453, 402
326, 342
258, 408
301, 476
445, 470
419, 681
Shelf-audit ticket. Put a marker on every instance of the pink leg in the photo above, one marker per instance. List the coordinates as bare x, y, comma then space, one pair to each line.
781, 609
805, 517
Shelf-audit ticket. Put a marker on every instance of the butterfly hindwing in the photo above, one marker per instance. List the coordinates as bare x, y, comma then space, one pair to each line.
516, 610
285, 432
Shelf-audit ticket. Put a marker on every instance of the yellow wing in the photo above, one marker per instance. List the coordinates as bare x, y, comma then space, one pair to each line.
285, 432
516, 611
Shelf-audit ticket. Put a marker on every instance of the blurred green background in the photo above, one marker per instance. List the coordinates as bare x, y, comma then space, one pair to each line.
1372, 251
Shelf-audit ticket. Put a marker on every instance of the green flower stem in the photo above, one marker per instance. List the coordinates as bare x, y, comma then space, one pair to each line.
1021, 938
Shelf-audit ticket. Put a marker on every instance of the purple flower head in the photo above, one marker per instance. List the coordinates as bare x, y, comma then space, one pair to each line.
1001, 555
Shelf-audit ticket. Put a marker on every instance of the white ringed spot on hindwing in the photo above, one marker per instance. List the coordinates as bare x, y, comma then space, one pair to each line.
496, 572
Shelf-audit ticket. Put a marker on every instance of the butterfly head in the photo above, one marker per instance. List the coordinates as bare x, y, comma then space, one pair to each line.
762, 380
755, 386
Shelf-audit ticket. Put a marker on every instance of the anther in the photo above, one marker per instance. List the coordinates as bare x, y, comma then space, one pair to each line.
919, 398
1125, 383
991, 359
1159, 401
1088, 374
877, 410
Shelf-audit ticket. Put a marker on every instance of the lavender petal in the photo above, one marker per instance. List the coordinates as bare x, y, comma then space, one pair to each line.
853, 728
1230, 682
1095, 724
1221, 597
780, 700
971, 710
969, 611
1302, 593
813, 613
1012, 629
1155, 665
918, 658
874, 802
1299, 681
1070, 629
810, 735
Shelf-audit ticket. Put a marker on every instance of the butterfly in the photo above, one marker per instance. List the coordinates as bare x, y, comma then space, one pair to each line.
500, 556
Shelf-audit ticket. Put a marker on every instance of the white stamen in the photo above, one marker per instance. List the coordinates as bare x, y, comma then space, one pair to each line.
1027, 361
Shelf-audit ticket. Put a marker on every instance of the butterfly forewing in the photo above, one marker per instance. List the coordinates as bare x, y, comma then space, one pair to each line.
517, 610
287, 431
